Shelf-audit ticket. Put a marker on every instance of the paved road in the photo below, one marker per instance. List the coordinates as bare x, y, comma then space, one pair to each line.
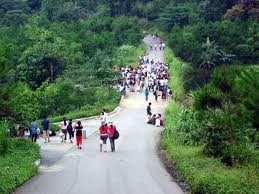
133, 169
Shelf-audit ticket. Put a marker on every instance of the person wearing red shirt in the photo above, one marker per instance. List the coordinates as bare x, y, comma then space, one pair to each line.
103, 136
111, 131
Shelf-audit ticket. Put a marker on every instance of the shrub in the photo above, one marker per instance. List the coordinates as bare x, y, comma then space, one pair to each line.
208, 175
18, 165
5, 144
176, 70
207, 97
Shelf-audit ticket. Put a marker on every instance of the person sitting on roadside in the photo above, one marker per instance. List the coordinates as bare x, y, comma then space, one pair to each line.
152, 120
157, 122
27, 133
161, 119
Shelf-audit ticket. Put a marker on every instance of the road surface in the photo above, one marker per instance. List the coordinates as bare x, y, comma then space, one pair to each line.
133, 169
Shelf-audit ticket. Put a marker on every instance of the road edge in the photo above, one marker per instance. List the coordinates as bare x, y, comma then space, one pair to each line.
168, 165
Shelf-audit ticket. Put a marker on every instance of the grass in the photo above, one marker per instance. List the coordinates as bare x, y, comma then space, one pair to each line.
177, 68
133, 60
208, 175
18, 165
109, 104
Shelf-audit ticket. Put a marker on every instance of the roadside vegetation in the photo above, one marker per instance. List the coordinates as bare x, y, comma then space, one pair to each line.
17, 160
57, 58
211, 124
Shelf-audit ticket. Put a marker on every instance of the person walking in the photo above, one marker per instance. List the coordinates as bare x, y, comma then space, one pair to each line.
146, 93
163, 46
155, 93
103, 116
34, 130
79, 134
70, 130
103, 136
45, 128
63, 126
149, 109
111, 132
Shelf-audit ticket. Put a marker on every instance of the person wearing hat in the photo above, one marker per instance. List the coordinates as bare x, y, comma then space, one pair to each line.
111, 132
103, 136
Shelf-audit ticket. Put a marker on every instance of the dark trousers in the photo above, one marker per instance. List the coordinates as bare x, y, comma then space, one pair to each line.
34, 137
112, 142
71, 134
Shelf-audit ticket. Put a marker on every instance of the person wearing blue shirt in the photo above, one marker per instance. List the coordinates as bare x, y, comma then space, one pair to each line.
34, 127
45, 128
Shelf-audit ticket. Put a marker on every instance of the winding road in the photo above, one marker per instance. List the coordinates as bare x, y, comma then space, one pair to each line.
134, 168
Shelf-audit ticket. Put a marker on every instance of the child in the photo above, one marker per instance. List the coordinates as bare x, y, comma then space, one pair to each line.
27, 133
79, 138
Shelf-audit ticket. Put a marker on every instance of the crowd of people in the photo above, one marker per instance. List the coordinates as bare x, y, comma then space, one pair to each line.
70, 130
157, 43
149, 76
154, 119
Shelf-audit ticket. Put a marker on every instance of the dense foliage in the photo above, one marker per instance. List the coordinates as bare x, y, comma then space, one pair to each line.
57, 55
212, 123
17, 160
207, 34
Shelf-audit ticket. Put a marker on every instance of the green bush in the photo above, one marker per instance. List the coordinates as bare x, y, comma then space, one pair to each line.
18, 165
207, 97
54, 127
176, 70
107, 99
208, 175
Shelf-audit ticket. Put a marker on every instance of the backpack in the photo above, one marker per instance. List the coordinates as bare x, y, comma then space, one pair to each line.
69, 127
116, 134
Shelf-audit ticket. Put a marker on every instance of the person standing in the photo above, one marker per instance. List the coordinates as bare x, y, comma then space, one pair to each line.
111, 132
70, 130
34, 130
63, 126
103, 116
45, 127
163, 46
103, 136
149, 109
156, 93
79, 134
146, 93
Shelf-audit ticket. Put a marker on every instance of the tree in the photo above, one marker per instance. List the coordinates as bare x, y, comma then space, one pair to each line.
210, 54
174, 15
34, 5
44, 60
243, 10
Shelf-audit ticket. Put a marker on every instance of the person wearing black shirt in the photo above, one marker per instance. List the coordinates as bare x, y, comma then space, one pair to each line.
149, 109
79, 134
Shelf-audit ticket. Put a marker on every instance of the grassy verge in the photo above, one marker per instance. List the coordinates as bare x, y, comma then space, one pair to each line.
109, 104
177, 67
208, 175
128, 55
203, 174
17, 165
133, 60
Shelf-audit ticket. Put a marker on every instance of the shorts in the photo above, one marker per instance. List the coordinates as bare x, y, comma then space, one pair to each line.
104, 138
46, 133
